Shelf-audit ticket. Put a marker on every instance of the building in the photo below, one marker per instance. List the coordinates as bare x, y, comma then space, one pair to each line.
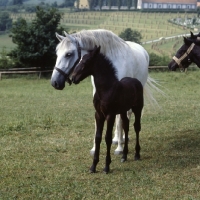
168, 4
145, 4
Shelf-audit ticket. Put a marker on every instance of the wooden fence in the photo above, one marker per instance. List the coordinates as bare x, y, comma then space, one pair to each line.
33, 70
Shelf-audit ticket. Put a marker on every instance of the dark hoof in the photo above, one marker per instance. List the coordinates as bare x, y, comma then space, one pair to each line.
137, 158
106, 170
92, 170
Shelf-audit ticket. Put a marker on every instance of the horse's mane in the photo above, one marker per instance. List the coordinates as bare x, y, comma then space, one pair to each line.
110, 43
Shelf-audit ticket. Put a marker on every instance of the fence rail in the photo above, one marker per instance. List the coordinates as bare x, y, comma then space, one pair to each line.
24, 72
35, 70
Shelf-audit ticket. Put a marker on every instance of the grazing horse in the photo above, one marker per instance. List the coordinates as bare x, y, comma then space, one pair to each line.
112, 97
187, 54
129, 60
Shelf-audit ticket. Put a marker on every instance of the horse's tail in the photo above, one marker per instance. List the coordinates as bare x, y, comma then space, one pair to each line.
151, 87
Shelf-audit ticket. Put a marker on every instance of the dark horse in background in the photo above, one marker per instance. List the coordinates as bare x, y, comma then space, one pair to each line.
112, 97
188, 53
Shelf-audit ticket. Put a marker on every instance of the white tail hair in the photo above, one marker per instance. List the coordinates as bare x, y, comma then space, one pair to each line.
151, 86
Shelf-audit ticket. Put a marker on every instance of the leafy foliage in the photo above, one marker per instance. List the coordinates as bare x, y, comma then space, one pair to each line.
36, 42
131, 35
5, 21
5, 61
3, 2
156, 60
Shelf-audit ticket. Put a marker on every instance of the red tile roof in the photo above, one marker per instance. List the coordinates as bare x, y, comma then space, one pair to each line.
171, 1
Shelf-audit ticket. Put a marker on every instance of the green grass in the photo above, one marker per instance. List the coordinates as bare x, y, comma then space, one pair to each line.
46, 135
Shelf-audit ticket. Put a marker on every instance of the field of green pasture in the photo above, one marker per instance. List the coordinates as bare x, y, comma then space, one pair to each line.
151, 25
46, 136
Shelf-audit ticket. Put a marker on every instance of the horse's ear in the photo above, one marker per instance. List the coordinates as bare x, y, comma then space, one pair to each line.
66, 34
191, 34
60, 37
187, 41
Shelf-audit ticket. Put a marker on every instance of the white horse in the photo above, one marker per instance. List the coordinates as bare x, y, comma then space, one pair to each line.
130, 60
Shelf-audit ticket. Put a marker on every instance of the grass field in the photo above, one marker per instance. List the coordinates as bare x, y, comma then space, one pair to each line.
46, 136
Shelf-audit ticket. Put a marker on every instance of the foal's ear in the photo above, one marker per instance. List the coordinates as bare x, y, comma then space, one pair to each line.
186, 41
96, 50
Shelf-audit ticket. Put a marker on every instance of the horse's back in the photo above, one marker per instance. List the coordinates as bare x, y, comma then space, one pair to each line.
134, 64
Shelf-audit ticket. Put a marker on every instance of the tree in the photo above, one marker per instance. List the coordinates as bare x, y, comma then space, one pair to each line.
3, 2
36, 42
17, 2
131, 35
5, 21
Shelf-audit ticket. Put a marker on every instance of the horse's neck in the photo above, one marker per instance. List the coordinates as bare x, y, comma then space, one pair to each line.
104, 78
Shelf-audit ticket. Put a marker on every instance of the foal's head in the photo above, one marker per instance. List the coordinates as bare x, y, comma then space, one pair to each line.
84, 67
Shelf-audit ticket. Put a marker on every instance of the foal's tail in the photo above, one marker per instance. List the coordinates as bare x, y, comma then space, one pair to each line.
150, 87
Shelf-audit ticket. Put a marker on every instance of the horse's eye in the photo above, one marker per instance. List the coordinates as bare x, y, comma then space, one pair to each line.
68, 54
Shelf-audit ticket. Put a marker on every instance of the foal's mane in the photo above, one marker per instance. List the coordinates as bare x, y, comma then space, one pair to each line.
110, 43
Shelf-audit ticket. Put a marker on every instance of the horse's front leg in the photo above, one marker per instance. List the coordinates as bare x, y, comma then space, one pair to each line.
125, 125
108, 138
99, 123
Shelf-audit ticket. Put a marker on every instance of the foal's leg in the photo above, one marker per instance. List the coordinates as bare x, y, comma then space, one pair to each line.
137, 127
108, 138
99, 122
125, 125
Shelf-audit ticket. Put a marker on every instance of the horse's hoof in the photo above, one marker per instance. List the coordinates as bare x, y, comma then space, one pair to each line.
106, 170
115, 142
123, 160
118, 152
137, 158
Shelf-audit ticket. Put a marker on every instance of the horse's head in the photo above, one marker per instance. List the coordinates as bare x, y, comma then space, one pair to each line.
84, 67
193, 36
187, 54
68, 54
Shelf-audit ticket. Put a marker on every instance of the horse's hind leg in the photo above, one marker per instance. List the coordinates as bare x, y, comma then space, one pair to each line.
100, 123
137, 126
118, 139
108, 139
125, 125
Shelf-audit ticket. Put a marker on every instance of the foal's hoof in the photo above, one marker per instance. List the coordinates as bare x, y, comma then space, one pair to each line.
92, 169
106, 170
137, 158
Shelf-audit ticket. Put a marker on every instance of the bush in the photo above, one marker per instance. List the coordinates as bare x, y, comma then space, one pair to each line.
156, 60
5, 61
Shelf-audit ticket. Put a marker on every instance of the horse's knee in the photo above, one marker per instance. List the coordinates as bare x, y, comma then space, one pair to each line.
98, 138
137, 127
